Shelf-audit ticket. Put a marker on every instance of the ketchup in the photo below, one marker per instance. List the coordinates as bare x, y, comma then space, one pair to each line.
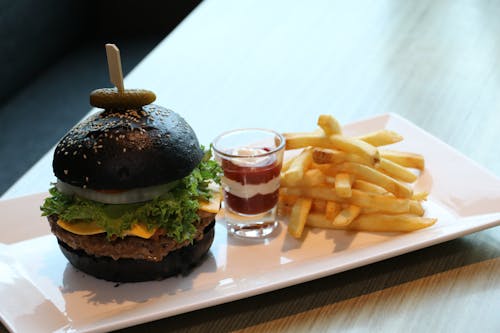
251, 187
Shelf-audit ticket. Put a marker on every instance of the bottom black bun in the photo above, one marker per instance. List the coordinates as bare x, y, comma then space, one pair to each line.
179, 261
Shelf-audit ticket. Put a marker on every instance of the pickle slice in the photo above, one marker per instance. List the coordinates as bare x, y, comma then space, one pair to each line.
111, 98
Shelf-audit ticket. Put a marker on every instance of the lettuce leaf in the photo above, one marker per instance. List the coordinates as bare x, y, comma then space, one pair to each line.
175, 211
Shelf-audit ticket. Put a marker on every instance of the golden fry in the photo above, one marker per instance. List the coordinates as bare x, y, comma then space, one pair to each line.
416, 208
313, 177
420, 196
391, 223
343, 182
287, 163
302, 140
364, 172
366, 151
381, 138
332, 156
329, 124
382, 203
296, 170
298, 216
409, 160
315, 192
346, 216
332, 209
375, 222
365, 186
318, 205
395, 170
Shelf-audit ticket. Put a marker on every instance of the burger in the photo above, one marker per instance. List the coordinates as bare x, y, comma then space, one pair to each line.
133, 200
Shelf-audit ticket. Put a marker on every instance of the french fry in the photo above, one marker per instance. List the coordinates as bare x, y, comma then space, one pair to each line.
296, 169
365, 151
375, 222
346, 216
382, 203
416, 208
306, 139
287, 200
374, 176
365, 186
316, 192
313, 177
332, 156
381, 138
319, 205
298, 216
391, 223
395, 170
420, 196
406, 159
331, 210
286, 164
329, 124
343, 182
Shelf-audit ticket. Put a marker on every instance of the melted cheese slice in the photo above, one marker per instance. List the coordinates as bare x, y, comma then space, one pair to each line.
213, 205
138, 229
91, 228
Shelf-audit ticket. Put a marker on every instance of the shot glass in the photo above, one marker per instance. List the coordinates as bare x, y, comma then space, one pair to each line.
251, 160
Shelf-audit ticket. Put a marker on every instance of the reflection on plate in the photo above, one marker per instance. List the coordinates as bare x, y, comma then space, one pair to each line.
42, 292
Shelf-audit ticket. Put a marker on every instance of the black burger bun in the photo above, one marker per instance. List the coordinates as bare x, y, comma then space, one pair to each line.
126, 149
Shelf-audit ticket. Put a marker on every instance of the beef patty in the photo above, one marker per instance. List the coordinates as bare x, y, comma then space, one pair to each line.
132, 247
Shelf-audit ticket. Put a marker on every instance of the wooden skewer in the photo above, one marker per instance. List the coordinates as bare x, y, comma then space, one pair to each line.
115, 66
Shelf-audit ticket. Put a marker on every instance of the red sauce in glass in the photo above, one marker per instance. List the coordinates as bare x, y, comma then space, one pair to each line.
252, 174
259, 203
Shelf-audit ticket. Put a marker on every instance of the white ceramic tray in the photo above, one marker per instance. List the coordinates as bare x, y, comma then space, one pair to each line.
41, 292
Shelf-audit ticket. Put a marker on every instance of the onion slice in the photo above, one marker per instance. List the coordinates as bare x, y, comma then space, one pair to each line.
123, 197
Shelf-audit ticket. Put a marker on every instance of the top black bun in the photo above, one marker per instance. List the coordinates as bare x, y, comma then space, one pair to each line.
125, 149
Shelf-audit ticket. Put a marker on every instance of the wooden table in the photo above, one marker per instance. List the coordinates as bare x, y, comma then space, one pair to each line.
279, 64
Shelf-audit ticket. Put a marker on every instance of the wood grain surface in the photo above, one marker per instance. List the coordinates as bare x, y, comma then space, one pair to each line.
280, 64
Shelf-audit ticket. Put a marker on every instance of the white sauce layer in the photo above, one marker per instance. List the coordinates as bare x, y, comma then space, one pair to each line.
250, 158
249, 190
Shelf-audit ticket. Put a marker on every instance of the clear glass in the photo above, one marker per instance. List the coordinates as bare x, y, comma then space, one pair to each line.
251, 160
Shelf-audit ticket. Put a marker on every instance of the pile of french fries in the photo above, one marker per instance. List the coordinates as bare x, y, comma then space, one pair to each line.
343, 182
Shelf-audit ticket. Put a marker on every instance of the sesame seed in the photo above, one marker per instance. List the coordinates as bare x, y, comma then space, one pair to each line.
65, 172
84, 156
124, 149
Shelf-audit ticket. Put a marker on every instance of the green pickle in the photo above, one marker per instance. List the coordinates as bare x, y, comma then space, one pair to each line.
111, 98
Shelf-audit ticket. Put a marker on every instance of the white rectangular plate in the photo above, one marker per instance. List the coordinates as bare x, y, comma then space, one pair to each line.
42, 292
